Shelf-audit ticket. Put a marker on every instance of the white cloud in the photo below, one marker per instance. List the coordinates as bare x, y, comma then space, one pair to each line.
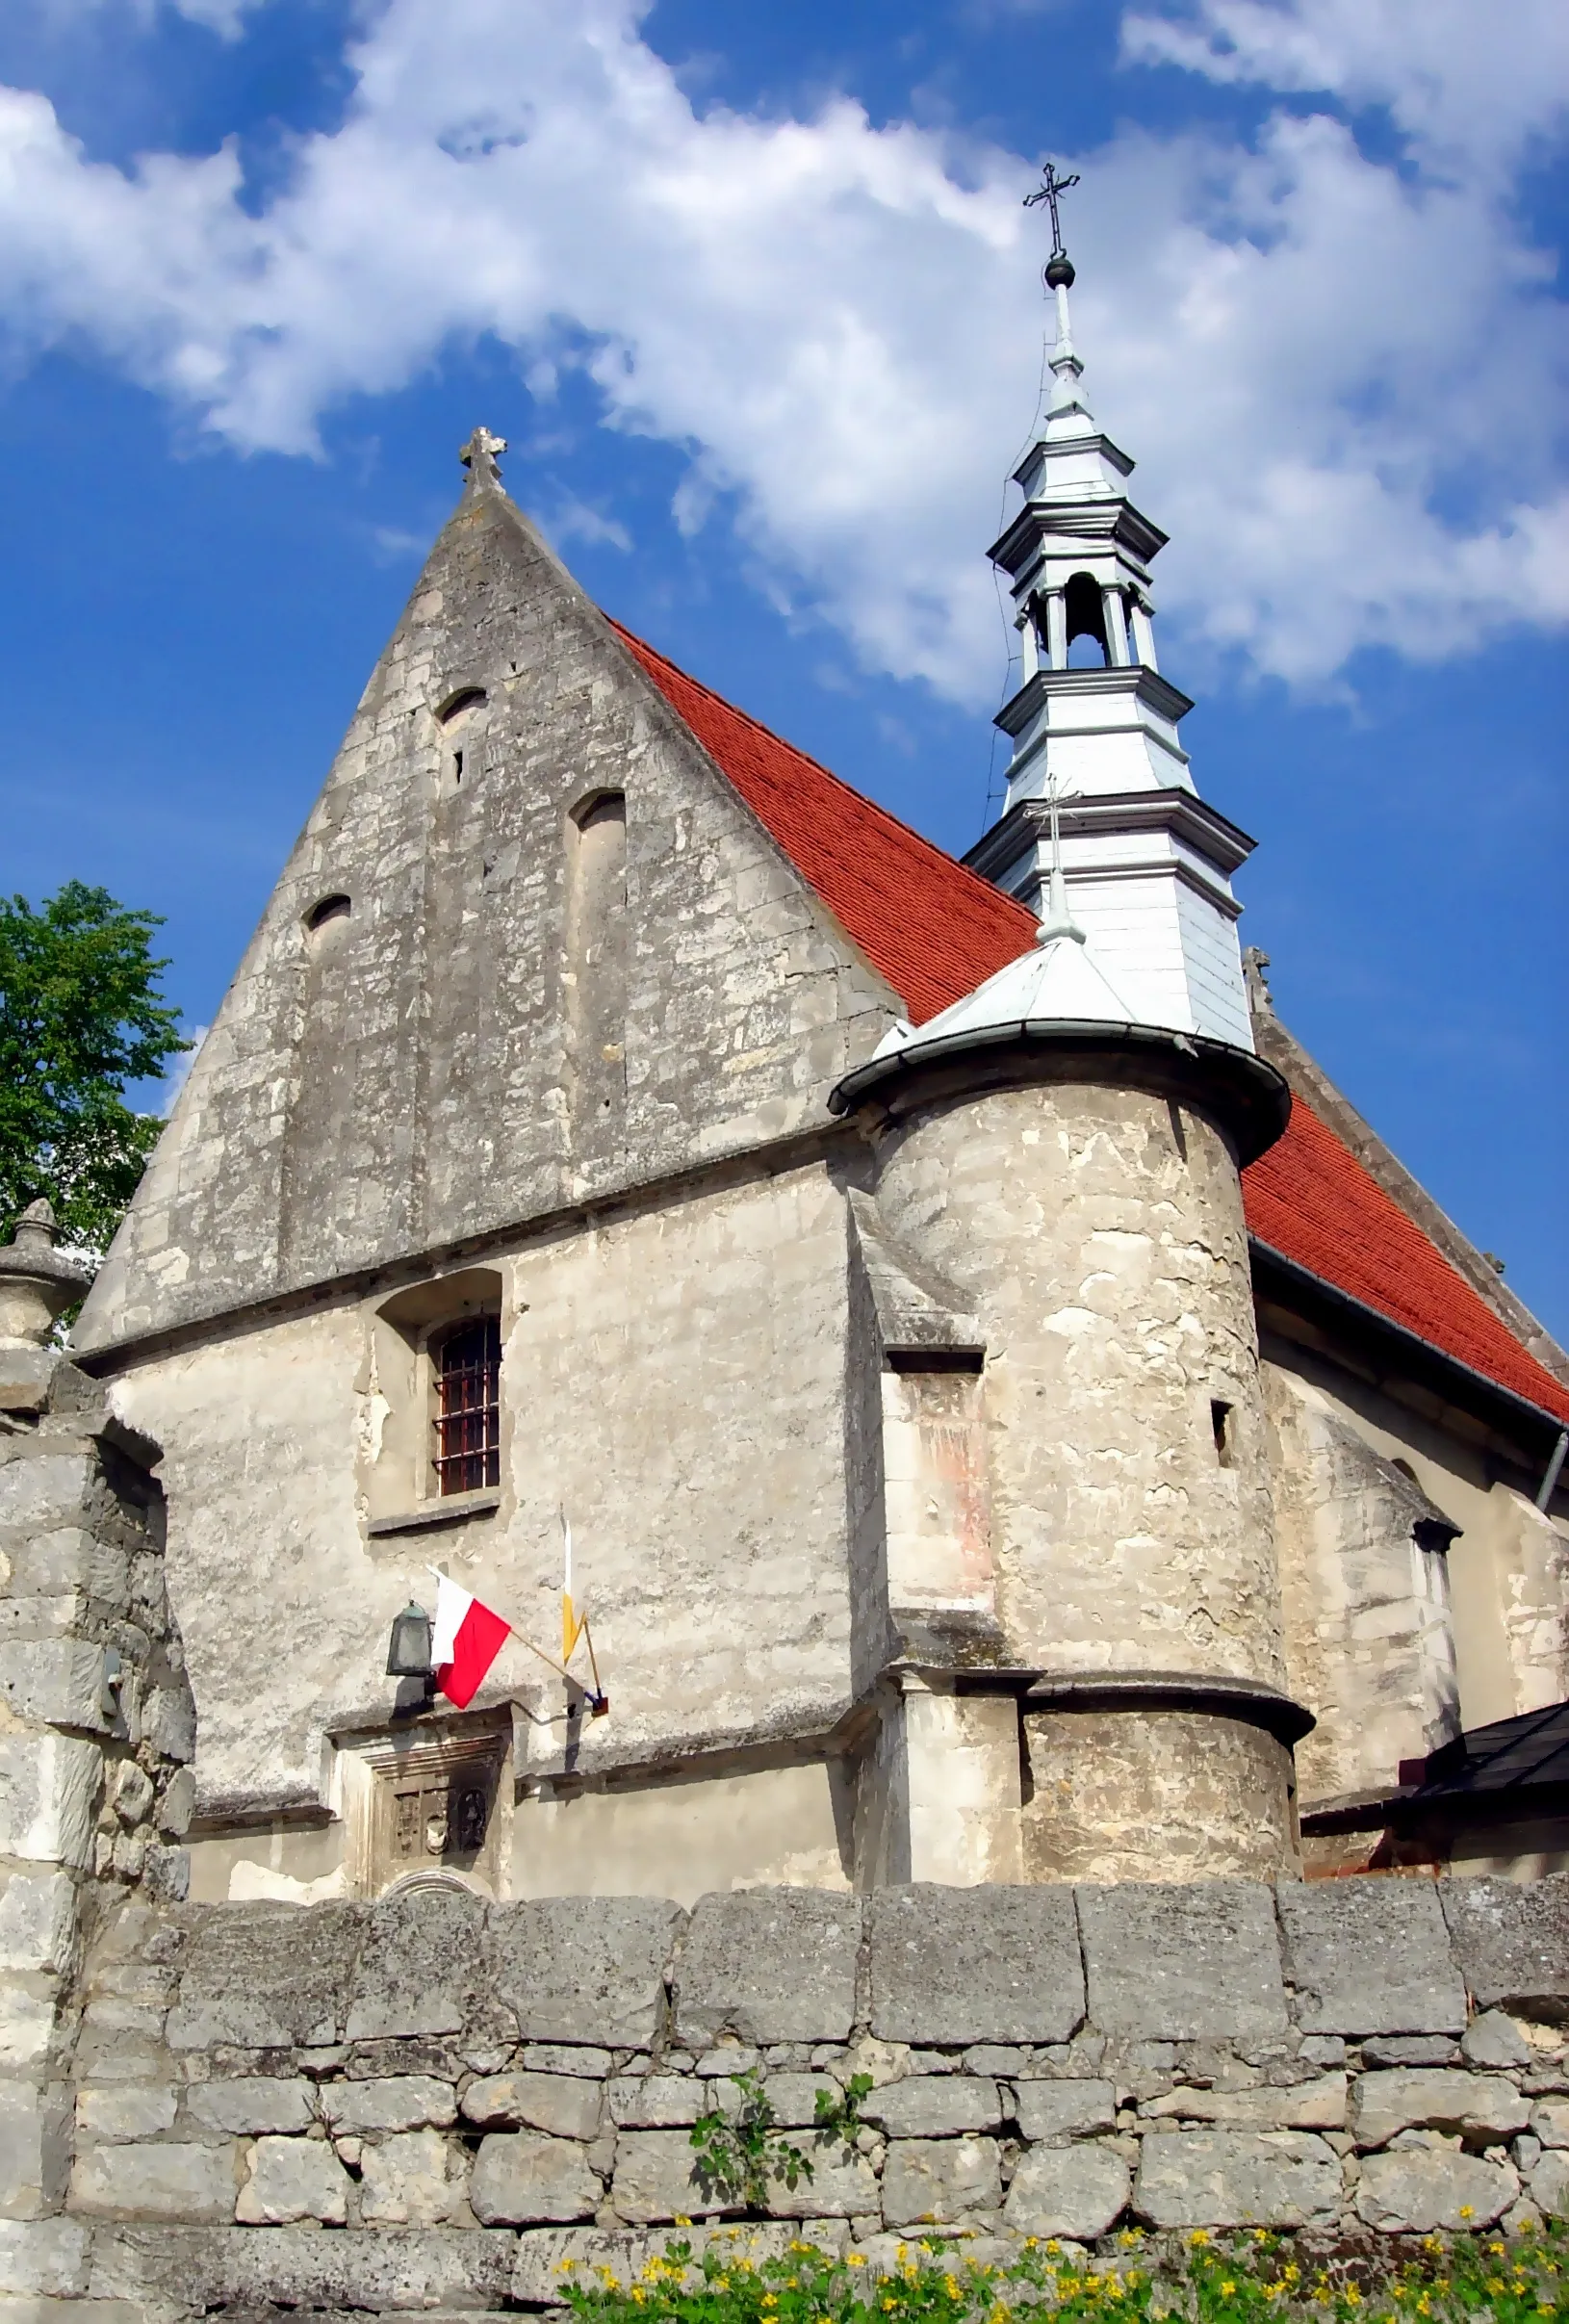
179, 1070
1339, 376
1461, 81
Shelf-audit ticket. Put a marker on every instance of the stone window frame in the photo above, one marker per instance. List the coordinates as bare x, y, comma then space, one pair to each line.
399, 1483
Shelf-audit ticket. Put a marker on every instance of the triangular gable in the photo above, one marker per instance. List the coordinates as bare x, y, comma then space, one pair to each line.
936, 930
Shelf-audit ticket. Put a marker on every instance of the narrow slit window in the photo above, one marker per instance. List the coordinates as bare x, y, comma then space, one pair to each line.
1220, 1421
469, 1407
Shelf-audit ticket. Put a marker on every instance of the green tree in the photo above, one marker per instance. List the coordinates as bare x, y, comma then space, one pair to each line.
81, 1016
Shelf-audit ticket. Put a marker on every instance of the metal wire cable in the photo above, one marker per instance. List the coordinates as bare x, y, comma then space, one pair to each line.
994, 789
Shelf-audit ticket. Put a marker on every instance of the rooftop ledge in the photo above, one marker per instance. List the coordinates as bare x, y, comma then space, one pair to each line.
1249, 1099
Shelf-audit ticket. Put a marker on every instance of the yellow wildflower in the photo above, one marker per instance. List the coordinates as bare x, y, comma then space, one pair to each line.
1467, 2212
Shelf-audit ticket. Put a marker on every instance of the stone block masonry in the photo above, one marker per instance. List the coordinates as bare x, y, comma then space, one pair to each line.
471, 2094
95, 1732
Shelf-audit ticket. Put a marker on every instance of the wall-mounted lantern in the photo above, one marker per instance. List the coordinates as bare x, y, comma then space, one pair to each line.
408, 1649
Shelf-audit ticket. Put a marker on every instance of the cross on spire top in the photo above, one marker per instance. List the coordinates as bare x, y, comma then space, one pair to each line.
479, 458
1059, 266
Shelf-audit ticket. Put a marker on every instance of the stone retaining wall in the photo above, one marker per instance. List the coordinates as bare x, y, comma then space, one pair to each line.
434, 2102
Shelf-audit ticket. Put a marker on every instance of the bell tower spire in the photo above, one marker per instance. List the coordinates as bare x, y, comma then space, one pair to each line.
1095, 724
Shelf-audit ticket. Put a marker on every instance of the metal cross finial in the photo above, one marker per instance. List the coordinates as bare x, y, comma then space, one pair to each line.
479, 458
1048, 190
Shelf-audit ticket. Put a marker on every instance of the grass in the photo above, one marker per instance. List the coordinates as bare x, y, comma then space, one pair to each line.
1240, 2279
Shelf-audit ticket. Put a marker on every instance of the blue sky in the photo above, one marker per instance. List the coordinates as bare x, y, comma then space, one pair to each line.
752, 298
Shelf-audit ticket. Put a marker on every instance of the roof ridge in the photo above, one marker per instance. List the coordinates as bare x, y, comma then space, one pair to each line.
993, 894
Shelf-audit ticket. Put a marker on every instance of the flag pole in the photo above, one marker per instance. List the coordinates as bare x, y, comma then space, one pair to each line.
595, 1695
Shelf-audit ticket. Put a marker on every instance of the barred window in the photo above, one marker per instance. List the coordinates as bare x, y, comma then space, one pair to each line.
468, 1408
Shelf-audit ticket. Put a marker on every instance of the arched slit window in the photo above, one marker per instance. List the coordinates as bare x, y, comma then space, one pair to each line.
468, 1422
330, 908
461, 719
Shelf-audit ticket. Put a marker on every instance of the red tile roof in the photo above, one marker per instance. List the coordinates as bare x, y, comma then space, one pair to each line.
1310, 1197
934, 930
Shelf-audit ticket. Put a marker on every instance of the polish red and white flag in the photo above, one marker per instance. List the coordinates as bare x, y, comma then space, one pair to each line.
465, 1640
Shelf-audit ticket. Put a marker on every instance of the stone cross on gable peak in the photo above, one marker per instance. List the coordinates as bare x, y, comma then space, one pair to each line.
479, 458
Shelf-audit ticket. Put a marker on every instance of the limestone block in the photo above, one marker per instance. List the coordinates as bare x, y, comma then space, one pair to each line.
934, 2105
56, 1681
838, 2184
566, 2057
195, 2184
1079, 2191
166, 1874
769, 1965
556, 2102
1494, 2039
939, 2180
657, 2178
655, 2101
1065, 2110
34, 2148
292, 2179
1549, 2184
548, 2256
419, 1966
1512, 1940
793, 2097
1165, 1962
48, 1797
524, 2177
1315, 2106
37, 1921
1237, 2179
46, 1490
264, 1976
27, 2028
1409, 2050
117, 2113
179, 1803
402, 2101
964, 1965
1435, 2098
1417, 2189
1550, 2121
42, 2257
299, 2268
583, 1969
169, 1723
253, 2103
411, 2179
131, 1791
1371, 1956
25, 1374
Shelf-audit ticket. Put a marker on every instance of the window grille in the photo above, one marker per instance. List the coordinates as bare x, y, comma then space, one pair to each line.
469, 1407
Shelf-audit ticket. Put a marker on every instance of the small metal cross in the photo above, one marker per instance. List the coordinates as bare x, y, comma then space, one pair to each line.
1048, 192
479, 456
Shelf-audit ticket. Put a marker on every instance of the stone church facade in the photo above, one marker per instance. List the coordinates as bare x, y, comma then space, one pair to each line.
1018, 1424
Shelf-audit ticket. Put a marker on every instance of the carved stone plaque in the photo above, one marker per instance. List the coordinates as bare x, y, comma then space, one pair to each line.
434, 1811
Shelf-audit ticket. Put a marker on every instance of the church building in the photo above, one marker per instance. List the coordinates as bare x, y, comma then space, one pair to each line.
1015, 1420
